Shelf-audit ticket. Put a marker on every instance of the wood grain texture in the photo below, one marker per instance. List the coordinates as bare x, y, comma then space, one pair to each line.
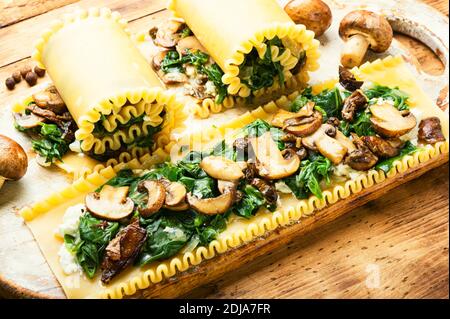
13, 11
404, 233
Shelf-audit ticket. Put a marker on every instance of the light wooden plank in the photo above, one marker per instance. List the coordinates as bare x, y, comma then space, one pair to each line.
17, 39
13, 11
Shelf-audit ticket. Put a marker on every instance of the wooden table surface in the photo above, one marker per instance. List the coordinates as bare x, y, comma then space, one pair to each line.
393, 247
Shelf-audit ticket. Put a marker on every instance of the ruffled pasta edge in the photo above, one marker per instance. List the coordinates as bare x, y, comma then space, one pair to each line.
136, 157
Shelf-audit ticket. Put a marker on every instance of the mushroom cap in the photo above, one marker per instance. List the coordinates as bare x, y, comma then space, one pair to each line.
314, 14
375, 28
13, 159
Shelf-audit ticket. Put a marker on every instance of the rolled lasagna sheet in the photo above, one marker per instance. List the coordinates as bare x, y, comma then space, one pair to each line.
109, 89
235, 31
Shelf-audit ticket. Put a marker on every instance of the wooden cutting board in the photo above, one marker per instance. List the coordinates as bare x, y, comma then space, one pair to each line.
399, 241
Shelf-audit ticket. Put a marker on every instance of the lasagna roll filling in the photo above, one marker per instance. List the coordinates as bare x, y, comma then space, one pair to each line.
111, 92
254, 42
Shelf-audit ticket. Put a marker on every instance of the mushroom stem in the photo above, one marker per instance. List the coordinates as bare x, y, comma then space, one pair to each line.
2, 181
354, 51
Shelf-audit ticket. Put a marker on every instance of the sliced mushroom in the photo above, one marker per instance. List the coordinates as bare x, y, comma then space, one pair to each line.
175, 192
226, 186
270, 162
430, 131
283, 115
344, 140
157, 60
305, 126
167, 35
348, 80
212, 206
123, 250
178, 208
361, 29
361, 159
174, 78
50, 99
314, 14
28, 121
389, 122
189, 44
380, 147
111, 203
222, 168
156, 197
328, 146
356, 101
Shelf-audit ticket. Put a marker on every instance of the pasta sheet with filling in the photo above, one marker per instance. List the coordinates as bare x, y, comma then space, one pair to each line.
230, 29
45, 216
106, 83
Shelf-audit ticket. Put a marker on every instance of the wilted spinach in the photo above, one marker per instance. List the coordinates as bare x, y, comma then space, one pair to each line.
395, 95
51, 145
312, 171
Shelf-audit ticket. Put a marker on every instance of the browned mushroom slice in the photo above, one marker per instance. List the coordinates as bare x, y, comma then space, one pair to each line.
212, 206
348, 80
189, 44
175, 192
226, 186
179, 207
430, 131
50, 99
156, 197
270, 162
111, 203
222, 168
282, 115
388, 121
304, 126
356, 101
361, 159
167, 35
314, 14
28, 121
123, 250
328, 146
380, 147
361, 29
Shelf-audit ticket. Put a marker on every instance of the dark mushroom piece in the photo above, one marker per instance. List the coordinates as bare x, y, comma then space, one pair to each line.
361, 30
111, 203
123, 250
13, 160
380, 147
267, 190
430, 131
157, 59
348, 80
361, 159
356, 101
